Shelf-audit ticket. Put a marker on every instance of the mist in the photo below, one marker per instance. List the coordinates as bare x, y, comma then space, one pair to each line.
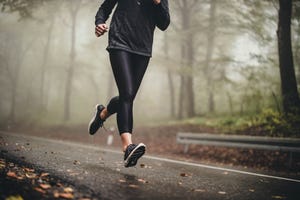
216, 58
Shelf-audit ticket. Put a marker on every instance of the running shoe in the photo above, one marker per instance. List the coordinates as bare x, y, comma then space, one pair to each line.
132, 153
96, 122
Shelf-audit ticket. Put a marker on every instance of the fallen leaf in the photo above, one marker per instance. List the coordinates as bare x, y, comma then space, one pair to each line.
28, 169
56, 194
184, 174
278, 197
122, 181
222, 192
2, 166
76, 162
44, 174
16, 197
142, 180
45, 186
66, 195
133, 186
30, 175
68, 190
40, 190
59, 184
14, 175
179, 183
142, 165
251, 190
198, 190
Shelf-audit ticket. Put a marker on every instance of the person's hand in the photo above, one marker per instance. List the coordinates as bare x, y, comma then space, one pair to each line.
156, 1
100, 29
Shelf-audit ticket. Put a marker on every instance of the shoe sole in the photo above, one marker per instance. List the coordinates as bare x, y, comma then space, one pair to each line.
93, 119
136, 154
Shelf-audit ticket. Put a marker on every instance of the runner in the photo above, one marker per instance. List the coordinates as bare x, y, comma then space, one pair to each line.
130, 49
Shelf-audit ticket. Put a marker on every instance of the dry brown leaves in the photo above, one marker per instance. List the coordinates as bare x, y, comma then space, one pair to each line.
40, 181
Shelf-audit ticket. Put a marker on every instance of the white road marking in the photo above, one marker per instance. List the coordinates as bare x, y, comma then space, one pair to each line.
220, 168
157, 158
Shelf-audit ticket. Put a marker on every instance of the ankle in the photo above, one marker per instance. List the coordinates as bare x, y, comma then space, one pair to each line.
103, 114
125, 147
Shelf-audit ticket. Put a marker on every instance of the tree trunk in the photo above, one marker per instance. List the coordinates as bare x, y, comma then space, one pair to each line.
181, 97
44, 65
190, 77
170, 78
186, 93
211, 33
276, 101
230, 103
70, 71
13, 103
297, 56
14, 75
172, 94
211, 101
290, 96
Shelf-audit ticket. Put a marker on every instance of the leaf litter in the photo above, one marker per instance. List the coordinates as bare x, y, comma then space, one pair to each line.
40, 182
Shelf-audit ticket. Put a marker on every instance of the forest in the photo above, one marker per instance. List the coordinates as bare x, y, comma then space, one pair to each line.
231, 64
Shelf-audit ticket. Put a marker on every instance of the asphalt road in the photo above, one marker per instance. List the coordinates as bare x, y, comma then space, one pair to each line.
101, 171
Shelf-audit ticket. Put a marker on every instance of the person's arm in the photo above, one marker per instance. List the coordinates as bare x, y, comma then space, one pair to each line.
162, 16
104, 11
102, 15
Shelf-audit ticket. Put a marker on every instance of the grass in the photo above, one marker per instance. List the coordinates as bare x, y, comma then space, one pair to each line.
268, 122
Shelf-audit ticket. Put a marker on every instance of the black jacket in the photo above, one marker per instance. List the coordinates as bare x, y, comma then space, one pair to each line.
133, 23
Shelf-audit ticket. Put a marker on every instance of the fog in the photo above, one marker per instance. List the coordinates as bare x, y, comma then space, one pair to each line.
220, 61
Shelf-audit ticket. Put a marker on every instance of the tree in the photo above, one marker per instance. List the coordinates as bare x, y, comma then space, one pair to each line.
23, 7
211, 34
290, 96
15, 51
186, 10
44, 62
74, 9
170, 78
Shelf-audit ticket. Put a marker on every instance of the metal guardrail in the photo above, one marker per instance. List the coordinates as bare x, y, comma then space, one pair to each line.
241, 141
257, 142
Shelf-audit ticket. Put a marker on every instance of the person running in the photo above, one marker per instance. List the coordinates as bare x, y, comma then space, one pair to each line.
130, 49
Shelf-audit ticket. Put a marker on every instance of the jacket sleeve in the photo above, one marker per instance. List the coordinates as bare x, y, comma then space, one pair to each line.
162, 15
104, 11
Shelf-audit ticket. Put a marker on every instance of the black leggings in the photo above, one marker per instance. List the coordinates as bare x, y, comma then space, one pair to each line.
129, 70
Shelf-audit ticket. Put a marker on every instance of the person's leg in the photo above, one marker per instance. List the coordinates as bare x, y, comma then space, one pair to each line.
126, 140
140, 64
112, 108
128, 70
121, 66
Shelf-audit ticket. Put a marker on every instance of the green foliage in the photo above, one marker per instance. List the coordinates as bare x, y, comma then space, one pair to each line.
267, 123
272, 123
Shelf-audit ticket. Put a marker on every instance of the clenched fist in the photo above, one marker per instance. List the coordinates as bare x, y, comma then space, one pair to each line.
156, 1
100, 29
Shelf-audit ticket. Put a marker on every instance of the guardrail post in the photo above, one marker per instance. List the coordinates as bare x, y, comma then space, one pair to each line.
186, 148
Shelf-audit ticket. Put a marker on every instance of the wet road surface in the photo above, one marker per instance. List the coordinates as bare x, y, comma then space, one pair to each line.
102, 171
